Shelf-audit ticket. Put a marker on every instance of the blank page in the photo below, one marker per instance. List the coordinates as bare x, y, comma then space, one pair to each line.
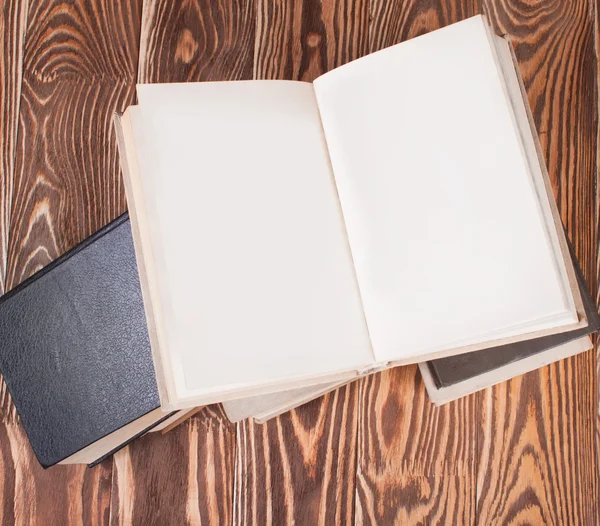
249, 245
449, 242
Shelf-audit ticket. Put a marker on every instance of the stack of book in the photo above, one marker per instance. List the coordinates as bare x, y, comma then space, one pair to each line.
285, 238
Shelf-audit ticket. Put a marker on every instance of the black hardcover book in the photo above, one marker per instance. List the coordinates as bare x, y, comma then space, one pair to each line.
75, 354
447, 372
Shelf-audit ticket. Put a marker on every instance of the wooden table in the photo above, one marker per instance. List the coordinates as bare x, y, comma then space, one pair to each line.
373, 452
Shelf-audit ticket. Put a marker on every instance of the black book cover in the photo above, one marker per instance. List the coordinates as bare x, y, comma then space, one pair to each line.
454, 369
74, 348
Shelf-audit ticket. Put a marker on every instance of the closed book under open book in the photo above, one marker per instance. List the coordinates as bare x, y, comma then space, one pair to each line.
75, 354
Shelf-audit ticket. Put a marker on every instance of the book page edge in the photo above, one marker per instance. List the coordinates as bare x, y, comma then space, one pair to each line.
496, 43
129, 168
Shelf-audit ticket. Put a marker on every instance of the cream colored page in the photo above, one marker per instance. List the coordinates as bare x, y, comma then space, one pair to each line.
256, 277
448, 240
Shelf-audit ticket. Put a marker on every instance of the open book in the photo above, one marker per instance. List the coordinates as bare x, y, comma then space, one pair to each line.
393, 211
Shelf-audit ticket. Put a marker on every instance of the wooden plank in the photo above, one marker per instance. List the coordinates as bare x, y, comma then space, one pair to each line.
183, 477
537, 451
395, 21
300, 40
416, 462
187, 475
197, 40
300, 467
82, 40
60, 495
13, 21
80, 66
67, 184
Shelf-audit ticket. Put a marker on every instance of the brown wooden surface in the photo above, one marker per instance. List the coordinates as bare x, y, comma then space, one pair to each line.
13, 22
374, 452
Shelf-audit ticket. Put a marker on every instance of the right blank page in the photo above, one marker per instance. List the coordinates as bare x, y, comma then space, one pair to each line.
450, 245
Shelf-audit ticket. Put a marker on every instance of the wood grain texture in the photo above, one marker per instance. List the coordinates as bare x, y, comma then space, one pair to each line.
183, 477
536, 446
197, 40
82, 39
61, 495
300, 40
13, 22
299, 468
80, 66
416, 462
395, 21
67, 182
537, 451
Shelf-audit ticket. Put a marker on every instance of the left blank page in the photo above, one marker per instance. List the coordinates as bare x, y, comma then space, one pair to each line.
251, 257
